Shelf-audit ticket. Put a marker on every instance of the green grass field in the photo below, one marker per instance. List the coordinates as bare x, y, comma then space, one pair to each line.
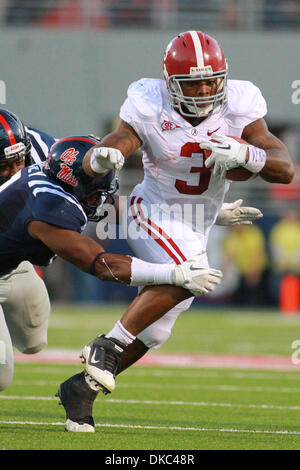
165, 408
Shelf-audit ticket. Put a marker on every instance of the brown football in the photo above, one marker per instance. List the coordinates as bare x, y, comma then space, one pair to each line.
236, 174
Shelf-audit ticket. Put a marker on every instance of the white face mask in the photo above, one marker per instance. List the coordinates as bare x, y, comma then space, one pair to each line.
191, 106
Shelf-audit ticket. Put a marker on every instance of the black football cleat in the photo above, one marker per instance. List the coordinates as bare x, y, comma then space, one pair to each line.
77, 399
102, 358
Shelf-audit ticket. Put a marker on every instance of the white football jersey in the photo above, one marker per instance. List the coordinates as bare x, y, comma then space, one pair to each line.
172, 158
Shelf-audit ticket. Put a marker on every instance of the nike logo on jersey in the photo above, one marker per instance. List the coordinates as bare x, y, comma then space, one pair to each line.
211, 132
168, 126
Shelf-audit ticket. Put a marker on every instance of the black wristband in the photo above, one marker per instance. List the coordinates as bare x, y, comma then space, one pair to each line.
93, 263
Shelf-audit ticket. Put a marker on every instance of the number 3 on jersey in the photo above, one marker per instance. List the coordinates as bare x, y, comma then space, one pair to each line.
188, 150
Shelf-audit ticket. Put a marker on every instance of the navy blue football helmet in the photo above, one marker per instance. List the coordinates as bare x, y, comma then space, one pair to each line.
64, 165
14, 141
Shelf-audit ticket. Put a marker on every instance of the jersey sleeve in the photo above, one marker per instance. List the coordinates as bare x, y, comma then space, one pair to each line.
245, 103
61, 210
143, 104
40, 144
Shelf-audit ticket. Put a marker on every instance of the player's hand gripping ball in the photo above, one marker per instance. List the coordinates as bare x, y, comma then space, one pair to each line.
239, 173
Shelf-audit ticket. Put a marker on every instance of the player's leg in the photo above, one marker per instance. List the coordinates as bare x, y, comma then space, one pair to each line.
160, 239
153, 306
169, 240
78, 393
6, 355
153, 336
168, 248
133, 353
27, 310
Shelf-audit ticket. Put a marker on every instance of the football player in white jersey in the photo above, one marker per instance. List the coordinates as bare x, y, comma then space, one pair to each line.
173, 121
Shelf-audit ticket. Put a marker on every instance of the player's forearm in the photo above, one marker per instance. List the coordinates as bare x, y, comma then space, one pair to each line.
278, 168
124, 139
116, 268
86, 164
130, 270
193, 274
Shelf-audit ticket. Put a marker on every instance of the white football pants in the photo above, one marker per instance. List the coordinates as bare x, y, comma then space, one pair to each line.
24, 313
158, 238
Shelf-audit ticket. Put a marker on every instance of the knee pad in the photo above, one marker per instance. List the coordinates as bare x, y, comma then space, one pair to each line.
154, 337
6, 376
34, 349
6, 355
27, 312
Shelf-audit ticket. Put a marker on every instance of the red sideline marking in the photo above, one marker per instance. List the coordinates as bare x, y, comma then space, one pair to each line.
220, 361
213, 361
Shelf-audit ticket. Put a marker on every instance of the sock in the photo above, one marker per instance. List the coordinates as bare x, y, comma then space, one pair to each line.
120, 333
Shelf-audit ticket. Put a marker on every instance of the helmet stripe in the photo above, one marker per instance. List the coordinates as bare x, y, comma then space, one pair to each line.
8, 130
198, 48
84, 139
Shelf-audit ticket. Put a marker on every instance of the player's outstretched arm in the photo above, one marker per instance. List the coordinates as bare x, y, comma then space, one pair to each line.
89, 256
116, 146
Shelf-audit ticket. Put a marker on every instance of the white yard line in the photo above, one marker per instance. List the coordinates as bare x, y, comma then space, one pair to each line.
162, 402
165, 428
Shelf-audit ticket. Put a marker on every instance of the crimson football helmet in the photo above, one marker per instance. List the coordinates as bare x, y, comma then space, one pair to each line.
191, 56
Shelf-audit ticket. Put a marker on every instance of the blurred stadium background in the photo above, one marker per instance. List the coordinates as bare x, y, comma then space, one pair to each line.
67, 65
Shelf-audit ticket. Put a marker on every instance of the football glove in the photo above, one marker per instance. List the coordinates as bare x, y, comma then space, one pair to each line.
106, 158
196, 277
233, 214
226, 153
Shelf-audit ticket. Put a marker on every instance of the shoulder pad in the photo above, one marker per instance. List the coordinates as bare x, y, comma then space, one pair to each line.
145, 98
245, 99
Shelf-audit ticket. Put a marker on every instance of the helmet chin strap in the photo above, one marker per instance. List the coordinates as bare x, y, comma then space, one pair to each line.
200, 112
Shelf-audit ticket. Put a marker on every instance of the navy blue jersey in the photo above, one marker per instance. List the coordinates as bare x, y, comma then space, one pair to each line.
31, 195
40, 144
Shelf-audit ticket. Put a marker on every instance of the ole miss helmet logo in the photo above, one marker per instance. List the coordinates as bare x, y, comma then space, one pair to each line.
168, 126
69, 156
66, 173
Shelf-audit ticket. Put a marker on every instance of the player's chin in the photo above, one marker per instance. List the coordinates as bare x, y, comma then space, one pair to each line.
201, 105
